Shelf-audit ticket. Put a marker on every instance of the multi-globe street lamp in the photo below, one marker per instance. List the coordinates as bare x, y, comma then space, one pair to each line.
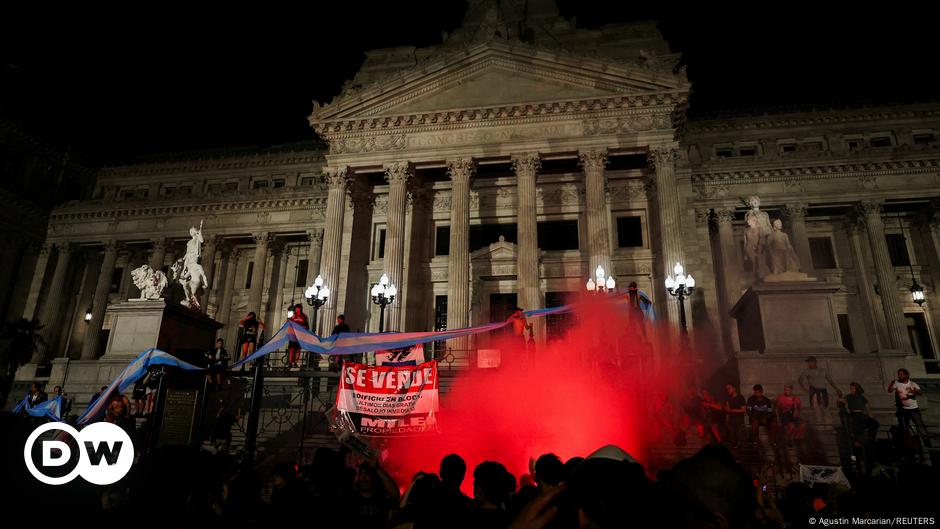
383, 294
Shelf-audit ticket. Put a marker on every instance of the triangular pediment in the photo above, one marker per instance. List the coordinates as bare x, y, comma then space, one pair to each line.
495, 74
495, 86
500, 250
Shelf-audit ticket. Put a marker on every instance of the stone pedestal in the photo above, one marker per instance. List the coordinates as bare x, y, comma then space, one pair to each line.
139, 325
788, 317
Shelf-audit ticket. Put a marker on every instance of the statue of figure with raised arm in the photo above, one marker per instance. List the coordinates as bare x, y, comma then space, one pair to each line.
188, 272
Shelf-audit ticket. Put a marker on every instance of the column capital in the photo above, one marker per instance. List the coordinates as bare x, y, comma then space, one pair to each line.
795, 211
870, 207
315, 236
854, 221
261, 237
662, 154
724, 215
461, 169
593, 159
336, 177
160, 243
112, 246
929, 217
398, 172
527, 163
65, 246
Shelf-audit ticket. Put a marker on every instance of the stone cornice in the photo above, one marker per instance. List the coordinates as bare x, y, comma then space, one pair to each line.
451, 66
809, 119
818, 172
608, 106
216, 164
98, 211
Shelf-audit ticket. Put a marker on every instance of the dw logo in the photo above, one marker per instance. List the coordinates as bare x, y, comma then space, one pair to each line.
105, 454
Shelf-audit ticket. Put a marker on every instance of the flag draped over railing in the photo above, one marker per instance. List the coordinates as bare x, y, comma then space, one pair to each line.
340, 344
51, 408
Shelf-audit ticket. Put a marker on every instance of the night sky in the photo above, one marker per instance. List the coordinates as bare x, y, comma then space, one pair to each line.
118, 84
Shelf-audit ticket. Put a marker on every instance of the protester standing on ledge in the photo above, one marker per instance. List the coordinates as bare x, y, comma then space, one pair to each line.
216, 362
340, 327
814, 381
906, 392
251, 327
293, 348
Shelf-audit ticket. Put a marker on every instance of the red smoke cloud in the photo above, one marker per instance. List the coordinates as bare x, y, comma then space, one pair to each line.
570, 397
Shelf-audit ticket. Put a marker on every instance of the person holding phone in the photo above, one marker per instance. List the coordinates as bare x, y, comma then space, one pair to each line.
906, 392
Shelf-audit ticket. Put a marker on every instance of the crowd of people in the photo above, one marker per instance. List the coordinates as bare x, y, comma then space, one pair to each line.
604, 489
737, 419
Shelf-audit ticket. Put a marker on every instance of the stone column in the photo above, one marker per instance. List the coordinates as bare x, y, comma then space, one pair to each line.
258, 274
397, 176
99, 302
11, 257
662, 158
595, 194
887, 279
52, 308
854, 227
25, 269
35, 285
796, 215
527, 266
208, 266
159, 253
460, 172
337, 181
313, 257
224, 310
277, 309
729, 270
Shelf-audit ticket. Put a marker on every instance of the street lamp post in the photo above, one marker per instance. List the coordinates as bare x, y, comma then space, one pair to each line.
680, 288
383, 294
317, 295
601, 284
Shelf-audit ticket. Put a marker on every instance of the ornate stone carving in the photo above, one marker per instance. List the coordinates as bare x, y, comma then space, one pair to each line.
627, 124
364, 144
398, 172
593, 160
795, 211
461, 169
150, 282
565, 194
702, 216
315, 236
724, 215
442, 202
336, 178
870, 207
263, 217
793, 186
868, 181
663, 153
710, 191
526, 163
381, 205
632, 190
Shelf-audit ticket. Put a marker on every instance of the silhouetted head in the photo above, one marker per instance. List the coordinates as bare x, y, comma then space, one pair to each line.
453, 470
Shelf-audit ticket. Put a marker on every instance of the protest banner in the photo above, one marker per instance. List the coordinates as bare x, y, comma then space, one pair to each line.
388, 401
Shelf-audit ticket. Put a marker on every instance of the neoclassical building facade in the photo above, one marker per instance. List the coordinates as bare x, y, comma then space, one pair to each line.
503, 166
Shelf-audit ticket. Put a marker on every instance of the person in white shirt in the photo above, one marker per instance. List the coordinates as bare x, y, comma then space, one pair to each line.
906, 392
